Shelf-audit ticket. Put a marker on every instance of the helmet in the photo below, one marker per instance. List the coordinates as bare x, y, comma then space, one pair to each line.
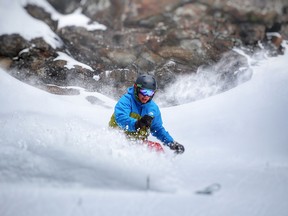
146, 81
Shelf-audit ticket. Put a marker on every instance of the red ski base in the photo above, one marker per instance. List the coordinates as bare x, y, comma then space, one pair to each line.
154, 146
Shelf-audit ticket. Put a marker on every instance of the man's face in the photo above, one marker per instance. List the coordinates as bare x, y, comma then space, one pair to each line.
143, 99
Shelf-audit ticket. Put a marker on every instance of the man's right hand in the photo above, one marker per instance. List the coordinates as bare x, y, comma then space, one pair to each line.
145, 121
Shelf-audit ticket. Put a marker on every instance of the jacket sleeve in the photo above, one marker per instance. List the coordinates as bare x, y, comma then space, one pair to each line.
122, 114
159, 131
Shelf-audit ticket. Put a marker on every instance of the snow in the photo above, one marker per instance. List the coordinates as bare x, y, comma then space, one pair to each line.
71, 62
78, 19
74, 19
17, 21
58, 157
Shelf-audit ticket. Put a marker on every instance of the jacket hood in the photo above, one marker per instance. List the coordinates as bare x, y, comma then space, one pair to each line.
132, 92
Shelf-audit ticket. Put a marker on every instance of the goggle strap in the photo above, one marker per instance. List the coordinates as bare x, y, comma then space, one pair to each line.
137, 85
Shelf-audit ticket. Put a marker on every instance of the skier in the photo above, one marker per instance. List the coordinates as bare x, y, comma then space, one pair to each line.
138, 115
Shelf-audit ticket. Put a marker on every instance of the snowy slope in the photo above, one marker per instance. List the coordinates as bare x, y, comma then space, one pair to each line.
57, 156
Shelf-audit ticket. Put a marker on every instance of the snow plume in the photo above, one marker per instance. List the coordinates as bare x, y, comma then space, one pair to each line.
46, 142
71, 154
232, 70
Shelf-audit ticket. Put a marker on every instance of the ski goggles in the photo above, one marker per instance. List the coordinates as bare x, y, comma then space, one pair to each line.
147, 92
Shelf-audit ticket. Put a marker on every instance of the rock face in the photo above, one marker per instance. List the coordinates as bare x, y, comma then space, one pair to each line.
165, 38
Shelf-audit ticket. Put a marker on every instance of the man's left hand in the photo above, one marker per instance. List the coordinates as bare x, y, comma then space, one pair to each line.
177, 147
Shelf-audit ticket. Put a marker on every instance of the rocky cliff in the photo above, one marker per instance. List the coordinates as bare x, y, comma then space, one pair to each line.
163, 37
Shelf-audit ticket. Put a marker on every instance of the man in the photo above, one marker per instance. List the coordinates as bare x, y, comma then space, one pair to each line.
138, 115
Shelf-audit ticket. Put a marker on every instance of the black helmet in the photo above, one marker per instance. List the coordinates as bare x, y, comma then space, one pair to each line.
146, 81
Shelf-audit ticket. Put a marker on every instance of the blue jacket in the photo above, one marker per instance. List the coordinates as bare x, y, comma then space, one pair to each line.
128, 109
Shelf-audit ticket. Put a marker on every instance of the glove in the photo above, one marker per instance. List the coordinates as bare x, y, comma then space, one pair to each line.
145, 121
177, 147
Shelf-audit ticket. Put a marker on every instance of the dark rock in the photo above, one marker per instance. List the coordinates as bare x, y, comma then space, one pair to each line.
5, 63
251, 33
65, 6
11, 45
41, 14
273, 40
